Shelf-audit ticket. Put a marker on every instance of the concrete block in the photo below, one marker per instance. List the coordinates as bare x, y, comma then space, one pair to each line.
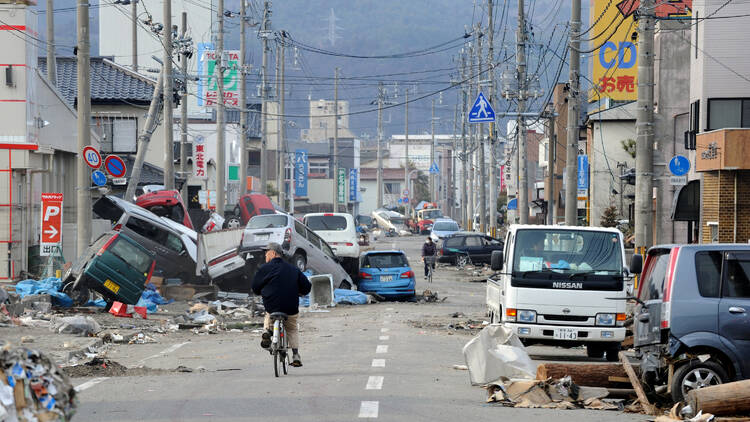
321, 293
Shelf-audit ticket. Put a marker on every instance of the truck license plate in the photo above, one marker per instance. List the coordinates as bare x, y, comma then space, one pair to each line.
111, 286
566, 334
386, 278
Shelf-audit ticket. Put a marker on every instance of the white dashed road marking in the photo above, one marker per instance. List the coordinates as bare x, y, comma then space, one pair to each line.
378, 363
384, 330
368, 409
88, 384
375, 382
388, 309
382, 348
166, 351
384, 338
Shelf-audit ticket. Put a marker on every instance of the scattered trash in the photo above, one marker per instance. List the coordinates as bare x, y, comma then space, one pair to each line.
341, 297
458, 315
27, 339
122, 310
429, 296
202, 317
496, 354
99, 303
551, 394
141, 338
183, 369
151, 297
33, 388
79, 324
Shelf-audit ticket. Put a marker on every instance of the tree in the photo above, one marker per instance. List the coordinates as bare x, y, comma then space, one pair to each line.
629, 146
609, 217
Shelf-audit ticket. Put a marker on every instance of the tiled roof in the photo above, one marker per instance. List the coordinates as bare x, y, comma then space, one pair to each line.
110, 83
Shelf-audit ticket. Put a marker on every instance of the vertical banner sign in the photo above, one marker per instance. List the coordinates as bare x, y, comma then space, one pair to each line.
583, 176
199, 158
231, 78
353, 188
202, 71
300, 172
51, 238
614, 63
341, 180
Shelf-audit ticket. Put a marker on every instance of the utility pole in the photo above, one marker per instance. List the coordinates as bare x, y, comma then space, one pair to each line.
243, 101
282, 131
279, 123
523, 182
168, 104
134, 32
51, 61
406, 152
264, 93
549, 191
492, 138
145, 137
184, 111
83, 196
432, 154
380, 144
335, 139
221, 160
574, 107
464, 178
482, 185
644, 126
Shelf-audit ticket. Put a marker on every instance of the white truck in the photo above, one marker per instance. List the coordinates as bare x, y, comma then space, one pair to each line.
562, 286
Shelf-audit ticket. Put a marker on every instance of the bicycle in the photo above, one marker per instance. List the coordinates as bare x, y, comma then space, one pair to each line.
279, 347
430, 262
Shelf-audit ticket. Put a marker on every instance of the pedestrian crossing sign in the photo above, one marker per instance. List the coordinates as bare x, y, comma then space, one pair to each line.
481, 111
434, 168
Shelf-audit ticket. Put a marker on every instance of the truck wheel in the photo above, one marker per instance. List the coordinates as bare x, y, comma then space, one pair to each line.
300, 261
696, 374
594, 351
613, 352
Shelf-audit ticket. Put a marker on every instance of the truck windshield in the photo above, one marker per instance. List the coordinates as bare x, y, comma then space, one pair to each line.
397, 220
445, 227
267, 222
567, 252
326, 222
431, 214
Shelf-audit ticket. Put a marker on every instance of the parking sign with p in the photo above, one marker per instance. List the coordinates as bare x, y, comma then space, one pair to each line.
51, 236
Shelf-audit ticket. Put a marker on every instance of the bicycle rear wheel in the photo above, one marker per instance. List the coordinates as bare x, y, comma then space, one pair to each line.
276, 358
283, 349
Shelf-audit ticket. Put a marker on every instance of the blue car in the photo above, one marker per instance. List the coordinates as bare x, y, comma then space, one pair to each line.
386, 273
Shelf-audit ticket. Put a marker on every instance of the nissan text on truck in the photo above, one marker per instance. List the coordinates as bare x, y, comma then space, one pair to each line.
561, 286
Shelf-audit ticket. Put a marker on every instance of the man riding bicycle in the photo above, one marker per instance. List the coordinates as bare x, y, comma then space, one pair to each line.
429, 251
280, 284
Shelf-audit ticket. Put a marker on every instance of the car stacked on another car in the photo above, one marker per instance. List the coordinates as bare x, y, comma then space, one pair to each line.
443, 228
340, 231
462, 247
691, 326
302, 246
386, 273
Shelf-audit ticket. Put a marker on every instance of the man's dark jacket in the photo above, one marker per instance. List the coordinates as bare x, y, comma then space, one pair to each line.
429, 249
280, 284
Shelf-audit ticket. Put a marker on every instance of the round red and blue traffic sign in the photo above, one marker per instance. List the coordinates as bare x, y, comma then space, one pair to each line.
114, 166
92, 157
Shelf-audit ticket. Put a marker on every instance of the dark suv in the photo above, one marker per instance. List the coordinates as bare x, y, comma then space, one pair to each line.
692, 319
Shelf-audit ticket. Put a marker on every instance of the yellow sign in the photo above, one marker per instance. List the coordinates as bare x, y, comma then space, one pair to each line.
614, 33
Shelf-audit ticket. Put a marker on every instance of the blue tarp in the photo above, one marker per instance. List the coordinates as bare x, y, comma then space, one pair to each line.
150, 298
341, 296
50, 286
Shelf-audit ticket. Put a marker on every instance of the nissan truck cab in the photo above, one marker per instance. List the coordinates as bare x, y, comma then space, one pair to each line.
561, 286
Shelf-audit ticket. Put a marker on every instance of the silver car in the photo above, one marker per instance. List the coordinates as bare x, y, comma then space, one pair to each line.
302, 247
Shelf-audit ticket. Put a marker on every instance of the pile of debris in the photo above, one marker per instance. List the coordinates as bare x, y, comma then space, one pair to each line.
220, 315
561, 393
33, 388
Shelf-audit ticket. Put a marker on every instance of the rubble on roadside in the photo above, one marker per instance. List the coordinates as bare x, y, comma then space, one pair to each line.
33, 388
558, 394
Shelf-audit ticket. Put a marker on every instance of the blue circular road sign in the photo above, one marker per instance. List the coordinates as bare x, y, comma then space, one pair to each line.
99, 178
513, 204
679, 165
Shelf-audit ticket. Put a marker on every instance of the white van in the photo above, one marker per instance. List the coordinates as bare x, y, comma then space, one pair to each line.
340, 231
560, 285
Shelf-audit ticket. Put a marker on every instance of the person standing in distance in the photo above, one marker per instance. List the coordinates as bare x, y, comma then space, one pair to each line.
281, 284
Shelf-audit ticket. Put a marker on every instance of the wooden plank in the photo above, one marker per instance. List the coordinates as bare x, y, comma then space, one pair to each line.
618, 379
636, 383
721, 400
585, 374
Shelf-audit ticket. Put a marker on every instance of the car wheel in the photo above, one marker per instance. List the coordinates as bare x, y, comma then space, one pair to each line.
233, 223
300, 261
79, 294
594, 351
345, 285
696, 374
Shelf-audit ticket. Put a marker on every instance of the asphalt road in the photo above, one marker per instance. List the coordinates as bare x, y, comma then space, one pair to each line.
389, 361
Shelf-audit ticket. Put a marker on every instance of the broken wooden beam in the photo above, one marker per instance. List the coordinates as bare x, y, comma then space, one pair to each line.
732, 398
636, 383
590, 375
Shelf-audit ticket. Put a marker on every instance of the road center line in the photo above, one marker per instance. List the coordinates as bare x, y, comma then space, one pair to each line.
378, 363
368, 409
385, 338
384, 330
388, 309
166, 351
90, 383
382, 348
375, 382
